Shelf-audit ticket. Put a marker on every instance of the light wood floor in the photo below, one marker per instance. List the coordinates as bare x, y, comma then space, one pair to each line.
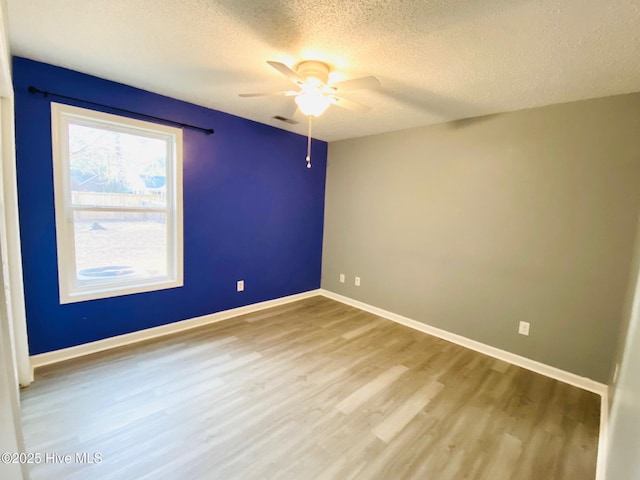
313, 389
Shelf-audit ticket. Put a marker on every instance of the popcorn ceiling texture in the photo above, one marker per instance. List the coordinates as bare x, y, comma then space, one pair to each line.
437, 60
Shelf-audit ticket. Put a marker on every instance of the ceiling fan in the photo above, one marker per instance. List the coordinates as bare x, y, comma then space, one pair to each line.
316, 94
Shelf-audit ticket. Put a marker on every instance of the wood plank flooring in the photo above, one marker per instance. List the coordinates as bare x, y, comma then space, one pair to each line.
309, 390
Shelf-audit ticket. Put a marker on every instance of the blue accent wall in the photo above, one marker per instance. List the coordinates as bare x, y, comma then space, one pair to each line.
252, 211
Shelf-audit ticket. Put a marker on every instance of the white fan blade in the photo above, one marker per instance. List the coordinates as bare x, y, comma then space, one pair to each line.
355, 84
349, 104
290, 93
287, 72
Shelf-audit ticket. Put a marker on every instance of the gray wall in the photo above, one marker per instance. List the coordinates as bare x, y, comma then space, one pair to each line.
475, 225
623, 442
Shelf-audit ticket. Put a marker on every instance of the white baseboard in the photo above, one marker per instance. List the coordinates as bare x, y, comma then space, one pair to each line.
537, 367
533, 365
155, 332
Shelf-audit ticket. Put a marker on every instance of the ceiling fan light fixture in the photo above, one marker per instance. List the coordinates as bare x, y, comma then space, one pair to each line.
316, 94
313, 104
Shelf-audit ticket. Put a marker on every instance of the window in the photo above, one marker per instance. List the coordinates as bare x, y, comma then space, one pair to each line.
118, 202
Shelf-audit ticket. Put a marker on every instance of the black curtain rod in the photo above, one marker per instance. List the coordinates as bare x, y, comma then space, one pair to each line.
208, 131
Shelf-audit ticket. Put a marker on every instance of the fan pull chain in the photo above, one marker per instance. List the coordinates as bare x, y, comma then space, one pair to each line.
309, 145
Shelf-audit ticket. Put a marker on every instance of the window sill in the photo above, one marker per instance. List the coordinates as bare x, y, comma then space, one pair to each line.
109, 291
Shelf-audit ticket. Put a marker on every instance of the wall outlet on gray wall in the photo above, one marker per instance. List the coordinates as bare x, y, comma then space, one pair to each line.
523, 329
357, 282
342, 278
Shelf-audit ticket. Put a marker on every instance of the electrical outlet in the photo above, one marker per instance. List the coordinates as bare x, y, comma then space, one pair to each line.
523, 329
342, 278
240, 285
357, 282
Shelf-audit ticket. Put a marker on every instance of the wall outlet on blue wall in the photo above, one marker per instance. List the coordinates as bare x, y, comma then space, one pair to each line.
240, 285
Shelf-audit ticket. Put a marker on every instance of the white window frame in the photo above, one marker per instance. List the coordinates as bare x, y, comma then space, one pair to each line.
70, 289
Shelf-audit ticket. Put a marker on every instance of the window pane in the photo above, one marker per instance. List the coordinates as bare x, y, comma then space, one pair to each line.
117, 169
127, 174
116, 247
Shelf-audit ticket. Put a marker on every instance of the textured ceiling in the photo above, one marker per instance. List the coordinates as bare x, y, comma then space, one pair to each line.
438, 60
